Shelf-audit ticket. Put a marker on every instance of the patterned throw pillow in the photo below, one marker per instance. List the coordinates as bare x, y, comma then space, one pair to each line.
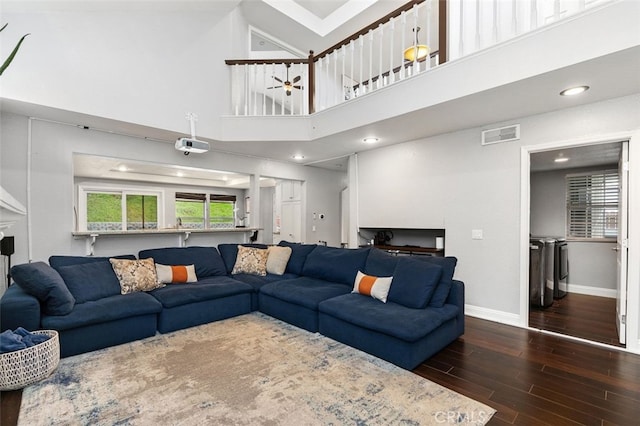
376, 287
168, 274
136, 275
251, 260
277, 259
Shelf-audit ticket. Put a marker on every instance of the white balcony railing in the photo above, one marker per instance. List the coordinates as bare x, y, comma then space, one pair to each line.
375, 56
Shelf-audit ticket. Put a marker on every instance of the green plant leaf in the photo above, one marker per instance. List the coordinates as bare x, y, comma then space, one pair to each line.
13, 54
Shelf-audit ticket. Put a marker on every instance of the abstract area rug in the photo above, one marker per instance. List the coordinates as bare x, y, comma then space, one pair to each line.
247, 370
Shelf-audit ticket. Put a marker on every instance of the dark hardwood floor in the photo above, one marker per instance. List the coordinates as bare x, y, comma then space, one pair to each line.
533, 378
530, 378
579, 315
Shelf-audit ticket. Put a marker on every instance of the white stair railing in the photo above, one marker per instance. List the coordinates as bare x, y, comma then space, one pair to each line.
375, 57
477, 24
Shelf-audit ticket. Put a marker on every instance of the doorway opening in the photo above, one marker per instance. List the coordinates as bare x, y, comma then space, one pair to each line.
577, 207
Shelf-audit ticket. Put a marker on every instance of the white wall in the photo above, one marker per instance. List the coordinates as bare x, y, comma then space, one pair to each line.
52, 191
592, 265
452, 182
164, 59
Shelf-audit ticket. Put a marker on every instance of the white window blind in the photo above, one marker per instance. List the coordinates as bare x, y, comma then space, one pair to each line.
592, 204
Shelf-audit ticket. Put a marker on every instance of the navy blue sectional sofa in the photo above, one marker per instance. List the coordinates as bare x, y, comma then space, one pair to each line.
80, 298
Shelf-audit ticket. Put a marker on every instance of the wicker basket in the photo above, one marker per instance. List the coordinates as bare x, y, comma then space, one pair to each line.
26, 366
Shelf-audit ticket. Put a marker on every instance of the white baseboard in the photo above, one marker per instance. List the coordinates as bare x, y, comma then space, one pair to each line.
493, 315
592, 291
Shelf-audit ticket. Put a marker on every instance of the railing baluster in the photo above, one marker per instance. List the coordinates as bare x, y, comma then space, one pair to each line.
556, 10
327, 86
351, 75
392, 28
282, 98
246, 89
360, 81
264, 89
427, 14
304, 84
514, 17
342, 78
336, 99
495, 21
273, 94
370, 60
415, 68
533, 23
404, 46
461, 43
234, 88
477, 25
254, 87
380, 57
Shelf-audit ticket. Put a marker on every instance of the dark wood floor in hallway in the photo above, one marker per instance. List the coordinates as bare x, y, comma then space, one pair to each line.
579, 315
531, 378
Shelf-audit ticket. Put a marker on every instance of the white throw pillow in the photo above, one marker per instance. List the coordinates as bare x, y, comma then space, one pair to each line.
277, 259
376, 287
168, 274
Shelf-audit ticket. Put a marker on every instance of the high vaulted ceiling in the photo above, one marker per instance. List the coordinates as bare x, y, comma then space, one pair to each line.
314, 24
301, 22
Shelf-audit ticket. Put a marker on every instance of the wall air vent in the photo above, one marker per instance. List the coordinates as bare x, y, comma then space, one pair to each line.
501, 134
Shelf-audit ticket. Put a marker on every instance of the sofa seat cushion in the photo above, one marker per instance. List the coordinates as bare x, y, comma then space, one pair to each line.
257, 281
335, 264
104, 310
207, 260
304, 291
205, 289
389, 318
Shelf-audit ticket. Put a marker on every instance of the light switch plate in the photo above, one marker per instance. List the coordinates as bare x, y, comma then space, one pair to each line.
476, 234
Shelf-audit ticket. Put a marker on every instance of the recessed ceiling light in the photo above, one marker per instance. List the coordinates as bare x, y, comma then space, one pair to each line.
370, 140
179, 174
561, 159
298, 157
122, 168
574, 90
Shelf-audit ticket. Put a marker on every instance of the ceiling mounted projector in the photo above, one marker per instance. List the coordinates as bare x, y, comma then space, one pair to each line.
188, 145
191, 145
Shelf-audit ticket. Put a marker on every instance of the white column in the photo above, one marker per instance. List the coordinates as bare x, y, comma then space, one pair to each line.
352, 175
254, 200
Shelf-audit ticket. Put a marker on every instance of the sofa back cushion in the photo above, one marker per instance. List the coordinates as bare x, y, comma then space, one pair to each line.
207, 260
90, 281
229, 253
299, 253
382, 264
45, 284
448, 265
334, 264
60, 261
414, 282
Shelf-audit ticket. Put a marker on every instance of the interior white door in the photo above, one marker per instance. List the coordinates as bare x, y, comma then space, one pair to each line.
621, 244
291, 222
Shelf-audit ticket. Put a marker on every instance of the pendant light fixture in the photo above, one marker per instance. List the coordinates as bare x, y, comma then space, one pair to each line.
417, 52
